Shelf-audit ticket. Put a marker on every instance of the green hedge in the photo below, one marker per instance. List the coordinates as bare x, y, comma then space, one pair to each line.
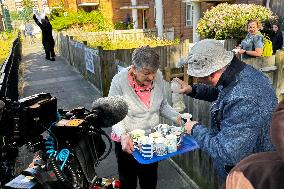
91, 22
6, 42
107, 44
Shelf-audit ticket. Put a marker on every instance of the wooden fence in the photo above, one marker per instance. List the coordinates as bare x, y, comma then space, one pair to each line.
277, 7
197, 165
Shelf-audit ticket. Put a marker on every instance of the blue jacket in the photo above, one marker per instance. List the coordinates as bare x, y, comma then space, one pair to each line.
242, 105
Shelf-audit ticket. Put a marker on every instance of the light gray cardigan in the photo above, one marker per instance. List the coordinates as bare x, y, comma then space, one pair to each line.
139, 116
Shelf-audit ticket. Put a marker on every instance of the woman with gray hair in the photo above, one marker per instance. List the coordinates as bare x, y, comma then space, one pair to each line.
141, 85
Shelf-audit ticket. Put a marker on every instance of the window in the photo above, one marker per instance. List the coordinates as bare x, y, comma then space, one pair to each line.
188, 14
45, 9
35, 10
19, 8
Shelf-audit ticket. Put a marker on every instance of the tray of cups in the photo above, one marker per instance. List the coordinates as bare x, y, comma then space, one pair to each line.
163, 142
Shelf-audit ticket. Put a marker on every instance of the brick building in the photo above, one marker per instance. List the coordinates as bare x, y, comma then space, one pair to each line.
175, 13
17, 5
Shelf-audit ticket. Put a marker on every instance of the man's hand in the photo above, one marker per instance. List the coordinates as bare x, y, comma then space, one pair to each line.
185, 88
127, 144
189, 125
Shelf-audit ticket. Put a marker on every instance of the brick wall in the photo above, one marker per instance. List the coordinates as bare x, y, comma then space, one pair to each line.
70, 5
119, 14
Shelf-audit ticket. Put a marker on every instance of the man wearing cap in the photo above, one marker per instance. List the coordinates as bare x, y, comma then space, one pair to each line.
243, 101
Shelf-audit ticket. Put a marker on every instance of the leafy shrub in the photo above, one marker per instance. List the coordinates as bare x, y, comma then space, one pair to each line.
123, 26
227, 21
107, 44
6, 42
91, 22
57, 12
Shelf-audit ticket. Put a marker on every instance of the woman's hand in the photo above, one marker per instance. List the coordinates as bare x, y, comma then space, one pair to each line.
178, 120
127, 144
185, 88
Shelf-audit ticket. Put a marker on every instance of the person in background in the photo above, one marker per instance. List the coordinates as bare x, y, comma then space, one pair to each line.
29, 32
263, 170
242, 104
252, 45
47, 38
22, 28
142, 87
276, 38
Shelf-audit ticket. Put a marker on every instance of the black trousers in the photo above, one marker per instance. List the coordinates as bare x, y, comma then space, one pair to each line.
49, 50
129, 170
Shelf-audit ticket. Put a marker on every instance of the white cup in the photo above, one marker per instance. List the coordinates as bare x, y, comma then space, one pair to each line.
136, 134
162, 128
155, 135
147, 147
175, 86
160, 146
171, 143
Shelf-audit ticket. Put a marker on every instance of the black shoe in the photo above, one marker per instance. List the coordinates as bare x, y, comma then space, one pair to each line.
52, 59
47, 58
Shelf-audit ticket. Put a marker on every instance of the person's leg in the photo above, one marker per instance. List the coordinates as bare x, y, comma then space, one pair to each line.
30, 39
126, 168
148, 175
52, 52
47, 51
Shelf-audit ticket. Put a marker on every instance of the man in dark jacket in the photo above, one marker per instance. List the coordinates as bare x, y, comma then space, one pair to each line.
242, 104
47, 38
276, 37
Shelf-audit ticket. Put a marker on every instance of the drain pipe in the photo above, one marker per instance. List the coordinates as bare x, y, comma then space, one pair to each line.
159, 18
134, 14
267, 4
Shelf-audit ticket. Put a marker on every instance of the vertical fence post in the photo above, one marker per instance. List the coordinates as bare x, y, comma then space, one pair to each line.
279, 62
68, 38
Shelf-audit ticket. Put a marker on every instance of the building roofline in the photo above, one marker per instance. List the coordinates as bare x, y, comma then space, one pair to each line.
87, 4
135, 7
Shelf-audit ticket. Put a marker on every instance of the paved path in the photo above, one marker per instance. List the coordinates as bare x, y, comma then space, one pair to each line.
68, 86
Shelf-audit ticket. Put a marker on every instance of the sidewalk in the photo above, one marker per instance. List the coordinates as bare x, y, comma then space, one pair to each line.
71, 90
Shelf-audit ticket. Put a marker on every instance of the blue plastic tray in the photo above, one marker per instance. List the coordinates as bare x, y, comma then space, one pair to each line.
187, 145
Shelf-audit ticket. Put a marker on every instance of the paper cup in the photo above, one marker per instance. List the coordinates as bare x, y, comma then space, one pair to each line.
147, 147
171, 143
160, 146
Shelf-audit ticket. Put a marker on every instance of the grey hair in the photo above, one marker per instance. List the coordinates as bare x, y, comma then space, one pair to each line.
145, 57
